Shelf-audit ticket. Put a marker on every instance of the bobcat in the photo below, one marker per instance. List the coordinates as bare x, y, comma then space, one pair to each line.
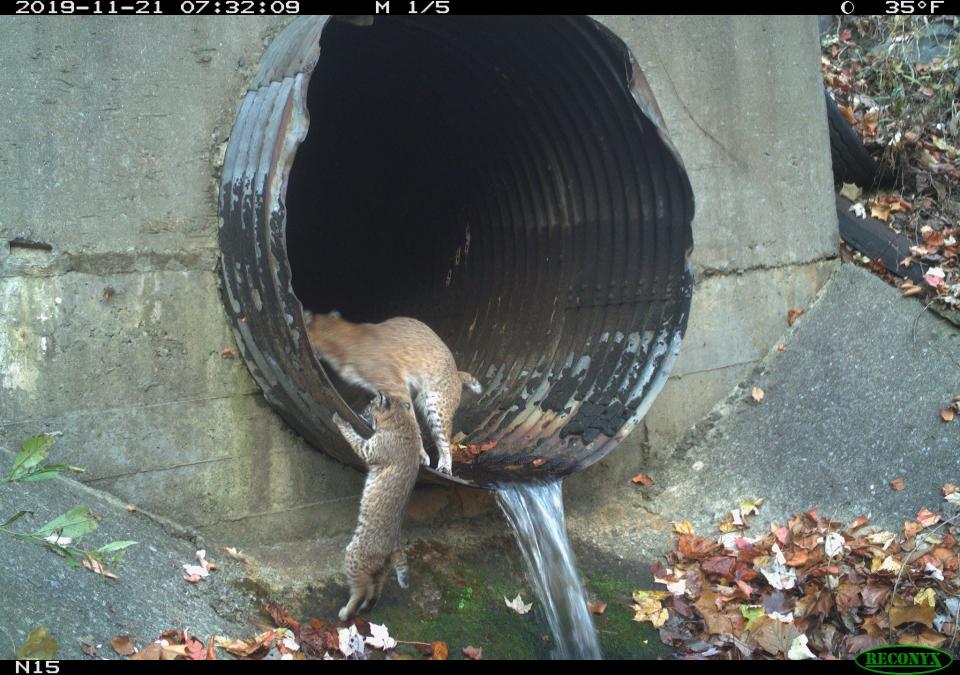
391, 456
400, 357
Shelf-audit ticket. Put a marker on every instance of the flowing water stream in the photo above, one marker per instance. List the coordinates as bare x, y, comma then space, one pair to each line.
535, 513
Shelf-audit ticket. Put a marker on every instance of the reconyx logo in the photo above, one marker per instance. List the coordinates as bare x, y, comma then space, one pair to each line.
903, 659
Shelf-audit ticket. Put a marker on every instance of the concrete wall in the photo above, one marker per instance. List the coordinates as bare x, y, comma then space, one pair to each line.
110, 137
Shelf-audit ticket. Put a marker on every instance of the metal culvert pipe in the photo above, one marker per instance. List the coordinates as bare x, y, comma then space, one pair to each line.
507, 180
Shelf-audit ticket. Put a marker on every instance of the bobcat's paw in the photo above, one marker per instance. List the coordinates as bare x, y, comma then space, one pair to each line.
424, 458
444, 467
344, 613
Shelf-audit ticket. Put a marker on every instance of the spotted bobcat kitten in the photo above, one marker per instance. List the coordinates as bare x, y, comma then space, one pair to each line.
401, 357
392, 457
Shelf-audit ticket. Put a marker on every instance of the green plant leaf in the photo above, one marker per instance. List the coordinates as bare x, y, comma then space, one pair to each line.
75, 523
15, 517
39, 646
114, 551
33, 451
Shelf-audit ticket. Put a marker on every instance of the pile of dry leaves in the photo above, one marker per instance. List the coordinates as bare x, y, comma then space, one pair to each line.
288, 639
900, 95
812, 588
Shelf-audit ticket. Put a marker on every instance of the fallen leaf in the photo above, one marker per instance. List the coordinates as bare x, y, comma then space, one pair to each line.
927, 596
833, 544
192, 579
799, 650
757, 394
934, 276
517, 604
211, 651
880, 212
227, 353
781, 347
440, 651
538, 461
851, 191
922, 614
927, 518
597, 607
859, 210
152, 652
89, 650
39, 646
122, 645
947, 414
897, 484
473, 653
682, 527
793, 315
95, 567
380, 637
641, 479
774, 637
648, 607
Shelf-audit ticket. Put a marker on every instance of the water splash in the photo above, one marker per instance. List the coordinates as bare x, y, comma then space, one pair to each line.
535, 513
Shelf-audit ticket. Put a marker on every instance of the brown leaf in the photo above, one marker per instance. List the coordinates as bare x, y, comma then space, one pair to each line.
847, 113
641, 479
949, 489
793, 315
925, 638
781, 347
440, 651
927, 518
773, 636
597, 607
848, 596
922, 614
757, 394
722, 566
858, 522
122, 645
897, 484
95, 567
192, 579
89, 650
473, 653
281, 616
227, 353
694, 547
211, 651
911, 529
195, 649
152, 652
947, 414
131, 508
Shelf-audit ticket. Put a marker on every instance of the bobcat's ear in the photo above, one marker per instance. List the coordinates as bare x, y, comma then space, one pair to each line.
307, 317
335, 313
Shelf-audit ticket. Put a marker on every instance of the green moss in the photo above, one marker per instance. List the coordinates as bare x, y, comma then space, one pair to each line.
620, 636
457, 597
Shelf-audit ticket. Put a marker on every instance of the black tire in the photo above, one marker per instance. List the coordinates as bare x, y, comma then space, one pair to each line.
851, 161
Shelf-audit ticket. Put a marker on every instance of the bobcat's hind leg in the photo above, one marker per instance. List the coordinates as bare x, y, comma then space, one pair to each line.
440, 423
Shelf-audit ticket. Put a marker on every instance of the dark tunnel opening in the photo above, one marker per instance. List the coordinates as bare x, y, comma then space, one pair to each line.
500, 179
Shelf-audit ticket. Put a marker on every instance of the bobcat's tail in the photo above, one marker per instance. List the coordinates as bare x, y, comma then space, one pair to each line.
399, 559
470, 382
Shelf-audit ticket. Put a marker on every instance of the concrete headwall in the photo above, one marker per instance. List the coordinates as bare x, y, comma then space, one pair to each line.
110, 141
